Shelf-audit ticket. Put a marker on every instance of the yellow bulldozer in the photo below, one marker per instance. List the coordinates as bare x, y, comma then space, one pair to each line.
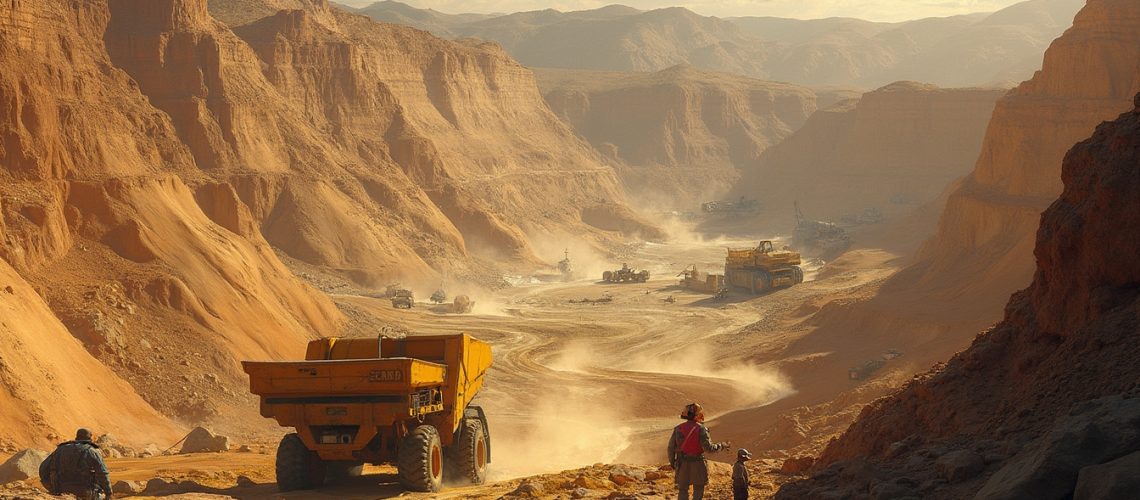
353, 401
762, 268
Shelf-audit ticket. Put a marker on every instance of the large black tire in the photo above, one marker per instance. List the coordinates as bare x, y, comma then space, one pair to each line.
419, 460
468, 454
607, 276
797, 274
762, 282
298, 468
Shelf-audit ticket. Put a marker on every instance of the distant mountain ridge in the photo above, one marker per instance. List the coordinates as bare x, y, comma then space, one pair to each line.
1002, 47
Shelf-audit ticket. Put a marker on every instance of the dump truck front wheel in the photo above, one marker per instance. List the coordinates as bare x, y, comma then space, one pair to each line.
298, 468
469, 453
420, 460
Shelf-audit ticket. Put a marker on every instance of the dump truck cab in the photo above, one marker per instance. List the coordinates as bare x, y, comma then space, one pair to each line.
405, 401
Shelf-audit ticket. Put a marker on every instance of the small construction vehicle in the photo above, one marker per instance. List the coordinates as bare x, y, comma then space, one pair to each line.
403, 298
438, 297
762, 268
382, 400
695, 280
564, 266
626, 275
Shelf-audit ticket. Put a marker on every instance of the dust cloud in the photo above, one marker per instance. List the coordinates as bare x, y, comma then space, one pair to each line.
574, 429
754, 385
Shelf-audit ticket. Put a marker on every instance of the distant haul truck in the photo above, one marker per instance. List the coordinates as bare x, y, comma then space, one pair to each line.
762, 268
625, 275
400, 401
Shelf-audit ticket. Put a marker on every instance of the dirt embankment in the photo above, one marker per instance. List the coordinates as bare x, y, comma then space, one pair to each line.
1042, 404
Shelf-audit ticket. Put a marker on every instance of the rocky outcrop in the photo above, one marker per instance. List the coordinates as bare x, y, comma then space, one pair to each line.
892, 149
680, 134
1050, 391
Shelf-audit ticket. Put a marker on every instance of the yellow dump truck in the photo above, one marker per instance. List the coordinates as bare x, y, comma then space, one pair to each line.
762, 268
353, 401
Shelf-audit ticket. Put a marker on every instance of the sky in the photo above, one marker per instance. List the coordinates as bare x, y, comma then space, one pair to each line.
871, 10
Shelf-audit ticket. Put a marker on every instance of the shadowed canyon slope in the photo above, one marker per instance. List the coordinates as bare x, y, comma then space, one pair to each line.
1017, 415
892, 149
158, 164
982, 250
679, 134
1003, 47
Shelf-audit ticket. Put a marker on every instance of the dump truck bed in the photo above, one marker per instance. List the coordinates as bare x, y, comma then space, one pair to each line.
348, 390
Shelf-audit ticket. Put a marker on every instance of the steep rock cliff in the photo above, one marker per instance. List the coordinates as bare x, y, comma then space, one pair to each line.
98, 217
1050, 390
156, 162
681, 134
982, 250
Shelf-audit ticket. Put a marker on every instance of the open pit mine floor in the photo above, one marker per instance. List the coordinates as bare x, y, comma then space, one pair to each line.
577, 383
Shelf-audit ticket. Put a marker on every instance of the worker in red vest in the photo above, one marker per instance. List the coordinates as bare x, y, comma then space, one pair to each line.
687, 447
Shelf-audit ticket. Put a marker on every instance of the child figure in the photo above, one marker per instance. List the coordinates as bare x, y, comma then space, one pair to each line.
740, 475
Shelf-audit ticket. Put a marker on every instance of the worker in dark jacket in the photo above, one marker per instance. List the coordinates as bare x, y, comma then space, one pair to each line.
687, 446
76, 467
740, 475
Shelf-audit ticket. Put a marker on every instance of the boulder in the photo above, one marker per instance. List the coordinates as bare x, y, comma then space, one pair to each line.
151, 450
201, 440
797, 465
960, 465
124, 488
1097, 432
159, 487
528, 489
23, 465
1115, 480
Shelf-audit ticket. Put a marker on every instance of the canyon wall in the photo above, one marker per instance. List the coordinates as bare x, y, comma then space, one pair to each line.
982, 250
1047, 400
679, 134
892, 149
161, 165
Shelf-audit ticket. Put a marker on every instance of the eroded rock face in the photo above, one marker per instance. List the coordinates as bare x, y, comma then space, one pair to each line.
1024, 394
680, 133
155, 161
982, 250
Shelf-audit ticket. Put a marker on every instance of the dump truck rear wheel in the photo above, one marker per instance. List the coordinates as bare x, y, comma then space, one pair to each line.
298, 468
469, 452
797, 274
420, 460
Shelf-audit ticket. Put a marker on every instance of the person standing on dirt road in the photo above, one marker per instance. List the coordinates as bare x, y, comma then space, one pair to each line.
687, 447
740, 475
76, 467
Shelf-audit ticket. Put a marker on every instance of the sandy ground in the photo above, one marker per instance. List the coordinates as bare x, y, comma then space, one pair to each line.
576, 384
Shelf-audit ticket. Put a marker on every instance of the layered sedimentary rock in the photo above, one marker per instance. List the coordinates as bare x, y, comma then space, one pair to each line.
156, 163
680, 134
892, 149
1048, 394
982, 250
